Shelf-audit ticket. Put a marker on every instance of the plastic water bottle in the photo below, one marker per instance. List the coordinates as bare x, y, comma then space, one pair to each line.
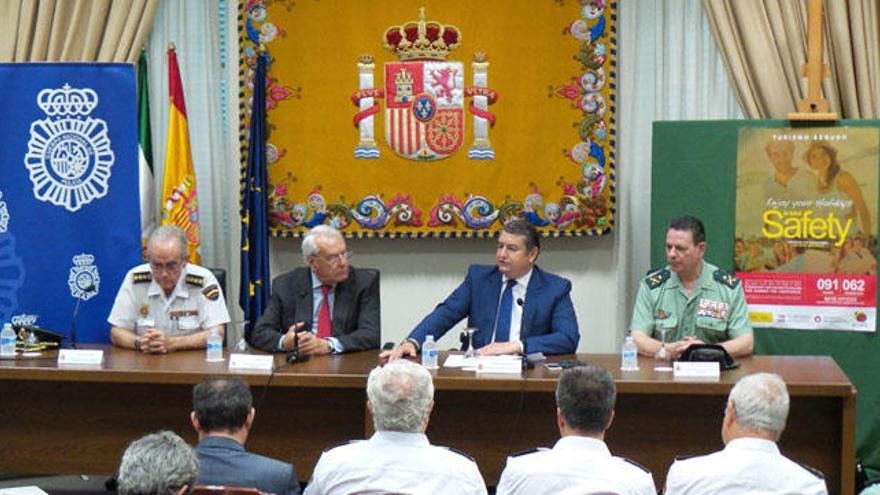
430, 353
215, 346
629, 356
7, 341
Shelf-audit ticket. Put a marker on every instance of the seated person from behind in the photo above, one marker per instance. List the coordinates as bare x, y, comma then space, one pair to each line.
303, 301
580, 462
398, 457
222, 416
691, 300
167, 304
515, 306
750, 462
159, 463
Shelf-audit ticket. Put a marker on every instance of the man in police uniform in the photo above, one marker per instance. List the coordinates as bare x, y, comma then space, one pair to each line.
750, 462
167, 304
580, 461
691, 301
398, 457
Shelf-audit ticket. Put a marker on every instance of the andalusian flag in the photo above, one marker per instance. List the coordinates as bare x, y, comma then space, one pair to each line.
180, 205
147, 186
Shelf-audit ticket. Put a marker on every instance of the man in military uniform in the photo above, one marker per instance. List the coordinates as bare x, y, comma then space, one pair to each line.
167, 305
580, 462
750, 462
690, 301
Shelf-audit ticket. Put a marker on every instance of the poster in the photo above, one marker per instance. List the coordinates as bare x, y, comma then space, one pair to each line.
806, 227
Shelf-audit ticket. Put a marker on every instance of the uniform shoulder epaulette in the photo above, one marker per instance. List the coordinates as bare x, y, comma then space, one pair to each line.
528, 451
212, 292
636, 464
656, 278
815, 472
196, 280
341, 444
459, 452
686, 457
141, 277
726, 278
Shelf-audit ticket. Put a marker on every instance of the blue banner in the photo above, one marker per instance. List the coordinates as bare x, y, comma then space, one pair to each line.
69, 212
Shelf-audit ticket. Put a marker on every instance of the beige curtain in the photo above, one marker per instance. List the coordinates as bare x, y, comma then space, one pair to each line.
74, 30
763, 44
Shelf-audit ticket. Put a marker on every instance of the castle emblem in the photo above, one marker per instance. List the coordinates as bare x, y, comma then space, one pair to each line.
84, 280
69, 155
4, 215
424, 95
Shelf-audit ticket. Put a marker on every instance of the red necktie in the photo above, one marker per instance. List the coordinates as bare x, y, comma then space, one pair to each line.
325, 324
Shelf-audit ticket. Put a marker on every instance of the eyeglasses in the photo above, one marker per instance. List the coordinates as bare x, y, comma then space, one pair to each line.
335, 259
170, 267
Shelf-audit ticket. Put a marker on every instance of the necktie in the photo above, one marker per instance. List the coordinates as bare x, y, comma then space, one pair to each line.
325, 324
502, 328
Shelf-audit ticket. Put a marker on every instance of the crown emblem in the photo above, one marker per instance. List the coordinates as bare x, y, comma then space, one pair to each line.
24, 320
83, 259
67, 101
421, 40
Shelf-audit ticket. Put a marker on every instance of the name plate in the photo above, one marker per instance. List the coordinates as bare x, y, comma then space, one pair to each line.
257, 362
80, 356
695, 369
499, 364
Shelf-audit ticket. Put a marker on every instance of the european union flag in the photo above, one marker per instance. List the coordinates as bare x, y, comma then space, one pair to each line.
255, 288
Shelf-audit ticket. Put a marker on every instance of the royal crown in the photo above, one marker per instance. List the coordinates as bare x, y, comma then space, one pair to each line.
67, 100
83, 259
421, 40
24, 320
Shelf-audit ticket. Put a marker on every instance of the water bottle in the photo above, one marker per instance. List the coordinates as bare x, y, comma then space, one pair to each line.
430, 353
629, 356
215, 346
7, 341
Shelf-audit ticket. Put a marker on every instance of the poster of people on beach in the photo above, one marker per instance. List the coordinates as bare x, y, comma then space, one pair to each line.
806, 227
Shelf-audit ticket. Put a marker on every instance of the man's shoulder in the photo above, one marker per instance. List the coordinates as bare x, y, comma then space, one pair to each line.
549, 278
140, 274
267, 464
656, 277
364, 276
482, 271
725, 279
296, 275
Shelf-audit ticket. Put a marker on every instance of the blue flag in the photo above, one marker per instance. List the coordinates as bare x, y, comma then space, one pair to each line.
255, 287
69, 217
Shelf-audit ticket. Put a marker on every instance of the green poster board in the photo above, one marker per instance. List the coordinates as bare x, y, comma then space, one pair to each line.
694, 172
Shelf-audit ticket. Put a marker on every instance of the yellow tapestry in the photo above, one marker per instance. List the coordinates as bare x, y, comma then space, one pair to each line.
413, 119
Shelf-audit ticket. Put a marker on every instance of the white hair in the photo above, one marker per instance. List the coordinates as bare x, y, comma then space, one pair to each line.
165, 233
400, 394
310, 241
160, 463
761, 402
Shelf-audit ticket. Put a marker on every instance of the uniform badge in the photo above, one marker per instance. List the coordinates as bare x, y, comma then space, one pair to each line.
145, 310
661, 315
212, 292
726, 278
657, 278
195, 280
83, 280
141, 277
713, 309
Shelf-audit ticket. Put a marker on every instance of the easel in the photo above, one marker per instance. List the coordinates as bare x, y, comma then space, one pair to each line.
814, 107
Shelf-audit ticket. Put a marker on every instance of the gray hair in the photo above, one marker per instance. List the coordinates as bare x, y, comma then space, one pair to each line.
586, 397
157, 464
761, 402
310, 241
400, 394
165, 233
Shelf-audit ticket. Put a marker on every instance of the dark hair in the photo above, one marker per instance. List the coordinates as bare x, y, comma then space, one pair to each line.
586, 396
692, 224
829, 150
222, 403
525, 229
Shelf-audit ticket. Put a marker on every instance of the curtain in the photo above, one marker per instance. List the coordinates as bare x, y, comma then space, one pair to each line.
669, 70
74, 30
763, 44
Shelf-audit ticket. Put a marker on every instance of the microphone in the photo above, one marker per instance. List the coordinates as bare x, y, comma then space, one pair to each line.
86, 290
293, 355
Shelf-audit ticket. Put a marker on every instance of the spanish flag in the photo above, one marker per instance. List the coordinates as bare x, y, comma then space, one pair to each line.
180, 205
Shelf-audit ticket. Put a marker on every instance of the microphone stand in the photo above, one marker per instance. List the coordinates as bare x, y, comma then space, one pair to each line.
76, 312
293, 355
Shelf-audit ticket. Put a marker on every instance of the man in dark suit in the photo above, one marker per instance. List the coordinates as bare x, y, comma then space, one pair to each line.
222, 416
304, 300
515, 306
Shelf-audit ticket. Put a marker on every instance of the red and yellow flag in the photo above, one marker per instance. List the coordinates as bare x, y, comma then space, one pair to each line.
180, 205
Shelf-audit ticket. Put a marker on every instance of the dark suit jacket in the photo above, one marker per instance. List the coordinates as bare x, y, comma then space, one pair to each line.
355, 309
223, 461
549, 324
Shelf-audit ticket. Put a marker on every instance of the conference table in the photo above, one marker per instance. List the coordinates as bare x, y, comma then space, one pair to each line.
62, 419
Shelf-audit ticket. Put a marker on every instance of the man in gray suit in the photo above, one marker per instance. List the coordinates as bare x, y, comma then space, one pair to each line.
222, 416
303, 301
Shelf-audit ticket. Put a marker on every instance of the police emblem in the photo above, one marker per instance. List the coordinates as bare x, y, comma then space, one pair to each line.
24, 320
4, 215
424, 95
69, 155
84, 280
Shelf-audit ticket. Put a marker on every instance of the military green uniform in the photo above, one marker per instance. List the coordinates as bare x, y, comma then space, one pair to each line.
714, 312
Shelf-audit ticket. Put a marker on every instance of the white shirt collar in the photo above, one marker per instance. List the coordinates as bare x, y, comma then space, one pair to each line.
749, 443
584, 444
524, 280
400, 438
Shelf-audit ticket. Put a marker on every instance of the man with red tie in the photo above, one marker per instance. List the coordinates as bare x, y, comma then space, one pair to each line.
328, 307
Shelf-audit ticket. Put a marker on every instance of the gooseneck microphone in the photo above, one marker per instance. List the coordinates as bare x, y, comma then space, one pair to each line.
89, 288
